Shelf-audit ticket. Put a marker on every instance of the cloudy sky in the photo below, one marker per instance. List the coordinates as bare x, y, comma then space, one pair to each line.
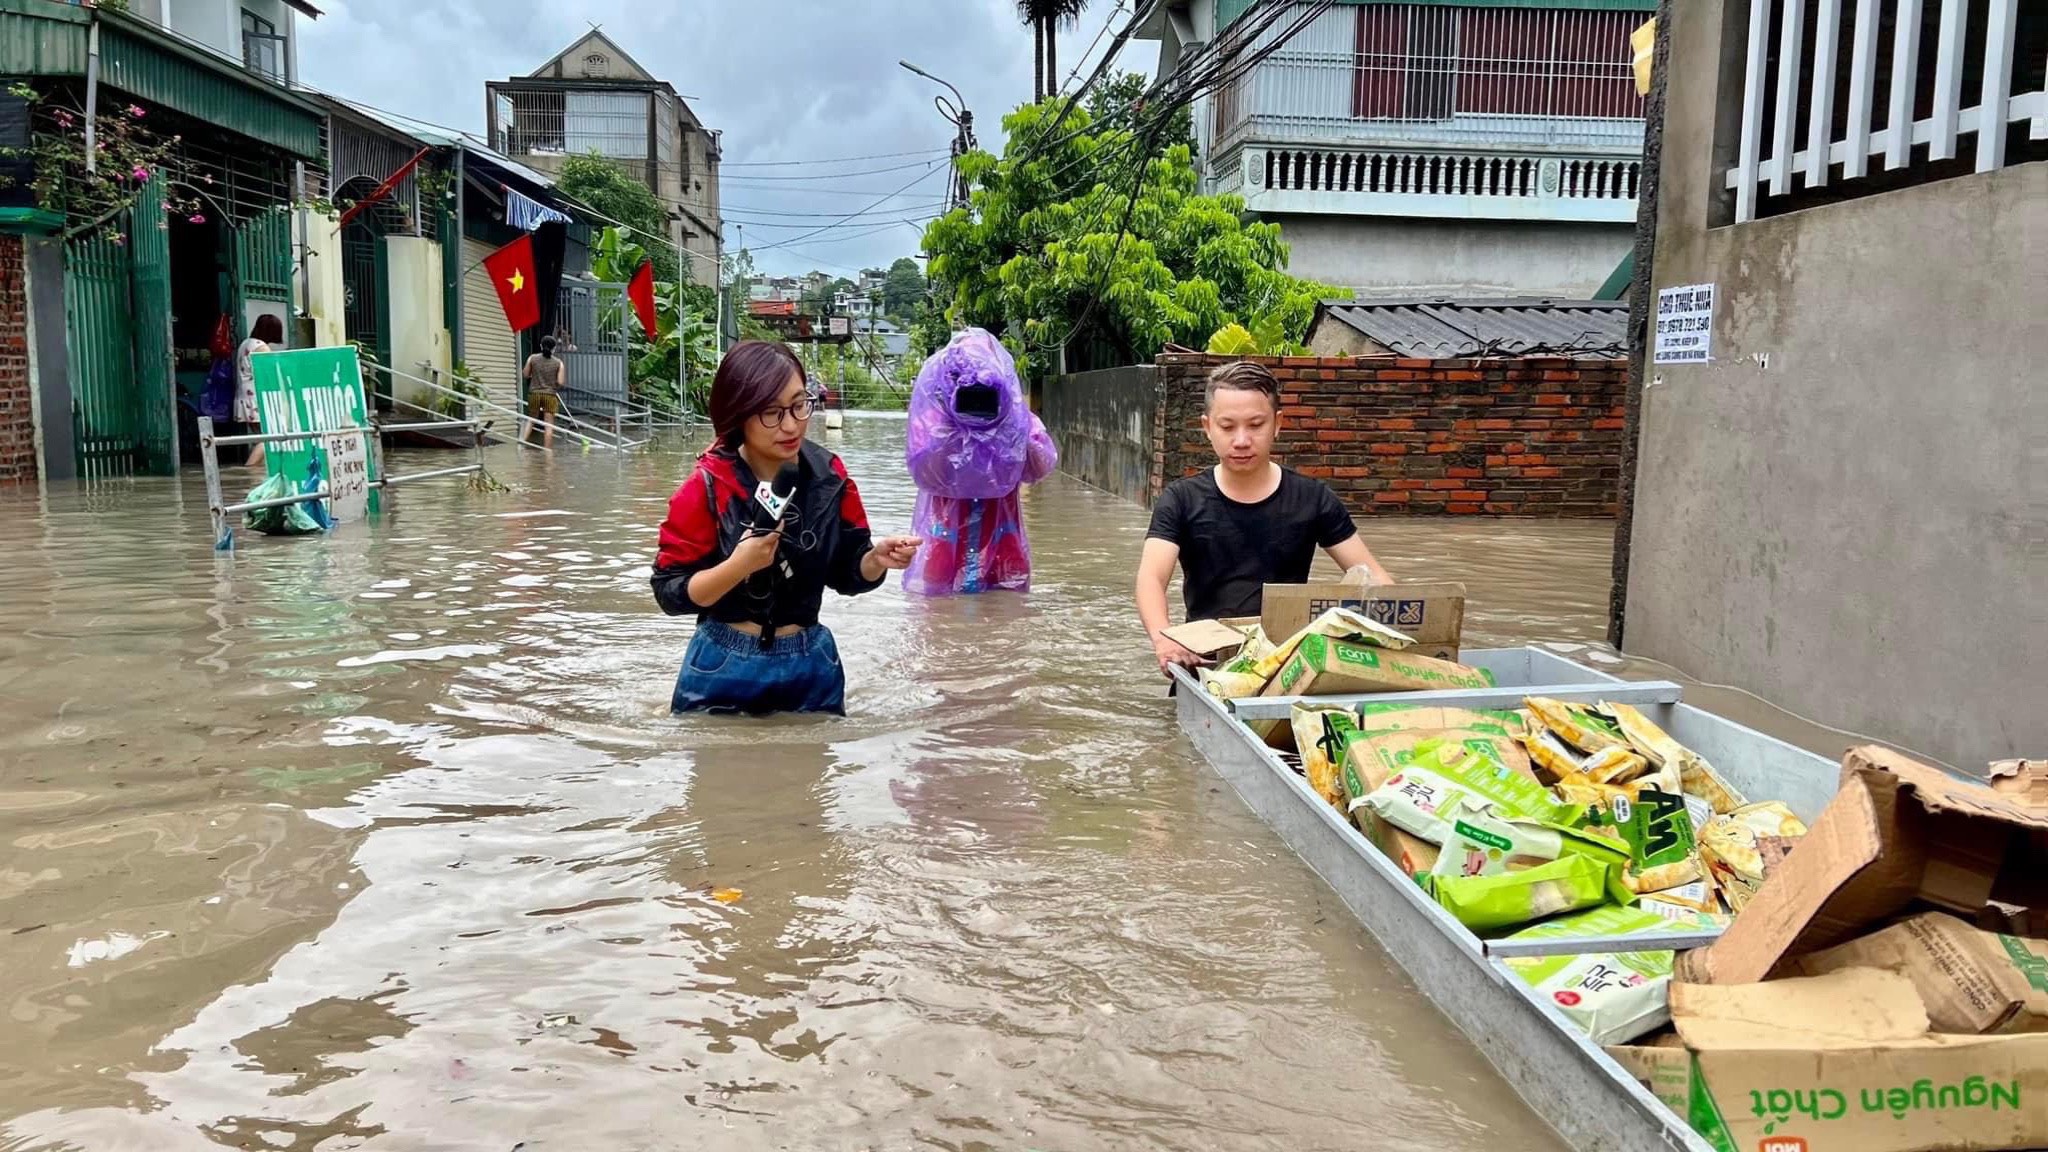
814, 81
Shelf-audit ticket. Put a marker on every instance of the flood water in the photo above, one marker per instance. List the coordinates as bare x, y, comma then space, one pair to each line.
388, 841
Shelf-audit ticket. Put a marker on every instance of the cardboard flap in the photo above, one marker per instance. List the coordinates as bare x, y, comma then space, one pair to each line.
1850, 1008
1206, 637
2017, 795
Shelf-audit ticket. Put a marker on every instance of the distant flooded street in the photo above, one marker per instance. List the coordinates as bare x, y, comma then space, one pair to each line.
388, 841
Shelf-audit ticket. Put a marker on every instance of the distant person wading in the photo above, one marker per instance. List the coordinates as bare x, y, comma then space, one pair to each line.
267, 334
765, 523
543, 392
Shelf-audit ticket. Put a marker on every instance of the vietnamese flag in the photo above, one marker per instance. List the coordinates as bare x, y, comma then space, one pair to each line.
512, 272
641, 293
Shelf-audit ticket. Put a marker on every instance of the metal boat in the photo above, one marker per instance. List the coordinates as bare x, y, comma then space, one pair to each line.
1560, 1073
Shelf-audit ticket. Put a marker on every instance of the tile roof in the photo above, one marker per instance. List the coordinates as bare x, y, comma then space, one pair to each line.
1442, 329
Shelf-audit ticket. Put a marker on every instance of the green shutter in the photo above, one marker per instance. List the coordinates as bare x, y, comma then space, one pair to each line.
155, 374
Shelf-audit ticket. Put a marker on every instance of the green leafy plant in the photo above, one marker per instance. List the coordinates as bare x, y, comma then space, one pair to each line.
685, 324
1078, 237
602, 185
127, 157
1266, 337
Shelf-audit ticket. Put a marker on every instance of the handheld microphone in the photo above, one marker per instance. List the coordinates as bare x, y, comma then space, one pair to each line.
774, 500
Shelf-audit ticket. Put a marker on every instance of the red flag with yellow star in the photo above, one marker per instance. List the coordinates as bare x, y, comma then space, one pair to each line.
512, 272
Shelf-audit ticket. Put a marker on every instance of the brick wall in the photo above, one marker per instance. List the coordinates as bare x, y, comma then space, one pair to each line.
1534, 437
17, 410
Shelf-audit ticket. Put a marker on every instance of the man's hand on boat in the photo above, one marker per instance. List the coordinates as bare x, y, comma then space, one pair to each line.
1171, 653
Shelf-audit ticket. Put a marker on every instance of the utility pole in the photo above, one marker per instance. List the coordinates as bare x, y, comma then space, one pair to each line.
957, 114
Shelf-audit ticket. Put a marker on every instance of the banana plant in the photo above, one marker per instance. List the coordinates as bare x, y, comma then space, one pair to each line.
678, 331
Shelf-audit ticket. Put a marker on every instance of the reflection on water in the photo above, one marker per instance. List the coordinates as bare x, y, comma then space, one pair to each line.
388, 841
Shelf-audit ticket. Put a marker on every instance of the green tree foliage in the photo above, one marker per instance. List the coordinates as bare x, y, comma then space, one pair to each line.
684, 324
606, 188
1040, 240
1116, 102
902, 289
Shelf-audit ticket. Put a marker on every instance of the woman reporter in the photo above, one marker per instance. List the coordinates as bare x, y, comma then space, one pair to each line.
756, 592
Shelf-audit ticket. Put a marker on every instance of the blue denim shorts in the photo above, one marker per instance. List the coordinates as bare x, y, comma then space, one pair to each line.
727, 670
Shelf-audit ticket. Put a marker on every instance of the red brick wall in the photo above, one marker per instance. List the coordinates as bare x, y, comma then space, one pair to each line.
17, 410
1535, 437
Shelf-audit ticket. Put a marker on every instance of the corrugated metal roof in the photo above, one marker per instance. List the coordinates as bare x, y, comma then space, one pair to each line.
146, 62
1446, 329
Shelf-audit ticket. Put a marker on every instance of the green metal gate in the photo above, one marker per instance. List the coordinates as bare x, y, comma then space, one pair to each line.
117, 292
263, 259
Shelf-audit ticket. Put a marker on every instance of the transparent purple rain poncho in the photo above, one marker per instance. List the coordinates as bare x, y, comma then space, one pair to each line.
974, 443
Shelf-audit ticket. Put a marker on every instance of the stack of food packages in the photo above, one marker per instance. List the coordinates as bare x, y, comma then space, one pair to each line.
1341, 651
1589, 814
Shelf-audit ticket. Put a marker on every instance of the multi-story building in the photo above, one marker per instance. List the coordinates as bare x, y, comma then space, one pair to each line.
593, 97
1457, 147
257, 33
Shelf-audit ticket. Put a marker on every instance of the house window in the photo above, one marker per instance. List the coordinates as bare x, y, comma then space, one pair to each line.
1432, 62
262, 47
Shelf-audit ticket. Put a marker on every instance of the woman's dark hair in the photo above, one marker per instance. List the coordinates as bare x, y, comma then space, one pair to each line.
750, 380
547, 345
268, 329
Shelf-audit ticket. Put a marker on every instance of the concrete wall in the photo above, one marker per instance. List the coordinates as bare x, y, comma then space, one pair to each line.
1104, 423
327, 298
1847, 511
1382, 255
419, 325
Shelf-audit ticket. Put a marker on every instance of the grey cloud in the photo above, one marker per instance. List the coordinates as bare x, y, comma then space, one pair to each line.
782, 79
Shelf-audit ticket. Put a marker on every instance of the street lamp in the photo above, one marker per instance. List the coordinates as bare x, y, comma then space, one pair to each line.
963, 124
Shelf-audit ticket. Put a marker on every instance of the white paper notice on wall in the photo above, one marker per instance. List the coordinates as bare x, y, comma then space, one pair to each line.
1685, 324
348, 476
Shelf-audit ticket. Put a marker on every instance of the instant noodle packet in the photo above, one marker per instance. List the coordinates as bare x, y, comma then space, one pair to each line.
1613, 997
1684, 770
1553, 760
1321, 735
1568, 723
1662, 848
1483, 903
1428, 775
1481, 844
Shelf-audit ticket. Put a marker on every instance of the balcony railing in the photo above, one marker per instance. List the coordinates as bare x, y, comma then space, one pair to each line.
1489, 185
1444, 77
1843, 98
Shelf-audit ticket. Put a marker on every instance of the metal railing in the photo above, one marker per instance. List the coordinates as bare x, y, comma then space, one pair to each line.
475, 402
1790, 90
218, 509
1427, 173
1393, 75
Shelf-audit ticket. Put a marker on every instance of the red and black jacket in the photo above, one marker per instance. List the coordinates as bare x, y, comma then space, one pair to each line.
823, 543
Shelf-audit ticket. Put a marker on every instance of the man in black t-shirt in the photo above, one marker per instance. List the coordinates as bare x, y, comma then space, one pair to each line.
1242, 525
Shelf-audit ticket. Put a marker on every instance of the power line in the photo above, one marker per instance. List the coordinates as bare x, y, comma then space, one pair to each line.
835, 175
831, 160
920, 178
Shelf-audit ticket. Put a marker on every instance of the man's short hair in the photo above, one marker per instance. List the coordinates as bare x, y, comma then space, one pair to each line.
1242, 376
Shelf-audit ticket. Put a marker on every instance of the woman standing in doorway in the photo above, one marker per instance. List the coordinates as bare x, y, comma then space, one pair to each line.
544, 390
264, 337
756, 593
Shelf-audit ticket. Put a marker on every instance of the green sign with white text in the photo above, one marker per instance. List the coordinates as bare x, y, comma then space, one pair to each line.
308, 390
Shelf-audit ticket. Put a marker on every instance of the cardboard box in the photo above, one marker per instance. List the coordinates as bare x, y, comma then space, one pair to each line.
1209, 639
1972, 981
1431, 614
1898, 835
1321, 666
1840, 1063
1413, 855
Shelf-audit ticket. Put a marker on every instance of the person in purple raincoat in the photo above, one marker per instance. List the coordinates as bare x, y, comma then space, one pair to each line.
974, 443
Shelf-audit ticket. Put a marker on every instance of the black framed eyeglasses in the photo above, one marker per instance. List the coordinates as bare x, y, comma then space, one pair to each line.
801, 411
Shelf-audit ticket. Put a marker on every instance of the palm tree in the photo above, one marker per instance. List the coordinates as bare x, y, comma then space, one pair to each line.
1045, 18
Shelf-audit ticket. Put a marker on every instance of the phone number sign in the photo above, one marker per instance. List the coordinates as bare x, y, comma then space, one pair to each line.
1685, 324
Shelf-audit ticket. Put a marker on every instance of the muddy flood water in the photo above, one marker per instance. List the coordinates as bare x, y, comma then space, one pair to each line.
388, 841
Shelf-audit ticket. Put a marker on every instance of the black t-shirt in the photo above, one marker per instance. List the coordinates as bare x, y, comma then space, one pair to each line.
1229, 551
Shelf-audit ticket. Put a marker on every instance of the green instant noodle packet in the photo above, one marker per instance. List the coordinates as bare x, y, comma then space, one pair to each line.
1484, 903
